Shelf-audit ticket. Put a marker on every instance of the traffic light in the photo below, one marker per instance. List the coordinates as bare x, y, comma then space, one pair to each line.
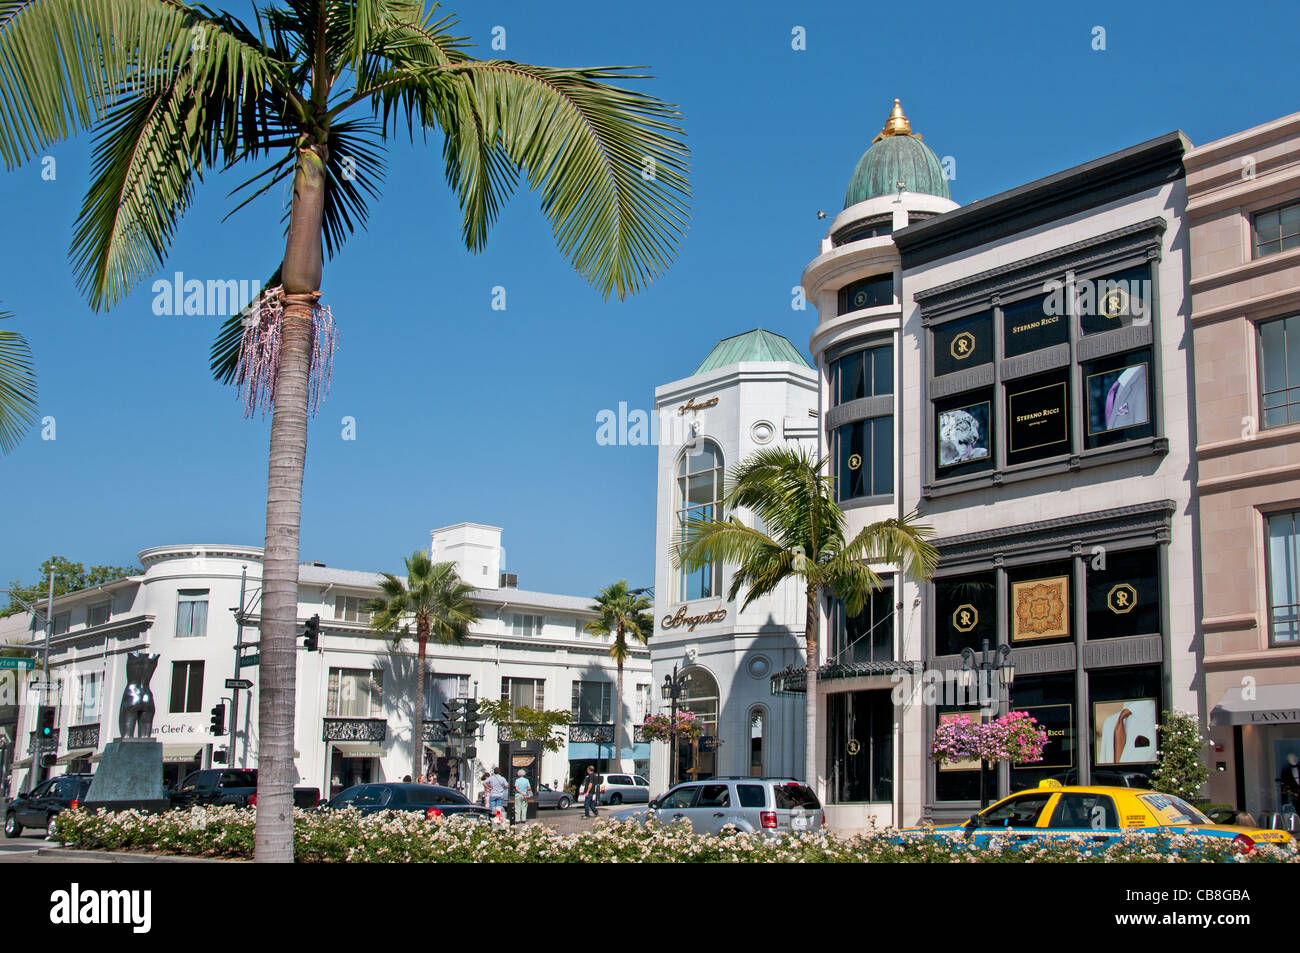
219, 719
311, 637
454, 712
45, 715
471, 719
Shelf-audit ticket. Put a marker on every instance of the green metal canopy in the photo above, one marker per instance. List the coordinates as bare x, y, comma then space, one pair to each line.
756, 345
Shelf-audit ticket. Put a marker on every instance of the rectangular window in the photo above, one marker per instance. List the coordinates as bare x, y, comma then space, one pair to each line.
1038, 417
962, 344
865, 458
524, 692
187, 688
874, 292
868, 636
355, 693
349, 609
440, 688
1279, 367
1118, 395
593, 702
1123, 594
965, 612
1032, 325
1277, 230
860, 746
191, 613
1117, 300
1049, 699
526, 625
642, 701
1283, 580
98, 614
868, 373
90, 689
62, 622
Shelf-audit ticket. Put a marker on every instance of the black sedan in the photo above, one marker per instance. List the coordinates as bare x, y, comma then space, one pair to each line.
427, 799
39, 807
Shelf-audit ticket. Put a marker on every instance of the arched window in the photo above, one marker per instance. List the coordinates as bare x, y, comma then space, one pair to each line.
699, 496
698, 759
757, 733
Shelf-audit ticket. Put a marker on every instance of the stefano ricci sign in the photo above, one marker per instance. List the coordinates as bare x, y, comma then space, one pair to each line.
680, 618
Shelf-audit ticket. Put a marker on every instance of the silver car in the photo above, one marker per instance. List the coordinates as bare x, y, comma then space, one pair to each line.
767, 805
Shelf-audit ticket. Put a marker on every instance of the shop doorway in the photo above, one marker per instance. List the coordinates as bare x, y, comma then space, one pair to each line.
346, 772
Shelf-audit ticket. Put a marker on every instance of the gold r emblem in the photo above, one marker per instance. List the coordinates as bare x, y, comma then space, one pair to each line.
1122, 598
965, 618
853, 747
1114, 303
855, 461
963, 346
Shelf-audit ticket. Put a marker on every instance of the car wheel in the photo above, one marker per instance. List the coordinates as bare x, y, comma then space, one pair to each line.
615, 799
49, 827
12, 827
563, 804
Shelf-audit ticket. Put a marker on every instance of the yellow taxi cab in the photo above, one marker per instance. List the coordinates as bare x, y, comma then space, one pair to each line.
1099, 813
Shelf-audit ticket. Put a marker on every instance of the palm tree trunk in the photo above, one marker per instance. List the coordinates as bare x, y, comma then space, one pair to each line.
810, 696
618, 717
417, 759
288, 455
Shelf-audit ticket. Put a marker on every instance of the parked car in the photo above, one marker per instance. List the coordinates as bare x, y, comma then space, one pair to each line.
547, 796
230, 786
39, 807
1101, 813
430, 800
621, 788
770, 806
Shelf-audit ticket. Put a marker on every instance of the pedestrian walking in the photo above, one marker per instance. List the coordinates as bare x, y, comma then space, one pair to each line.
523, 790
497, 786
590, 794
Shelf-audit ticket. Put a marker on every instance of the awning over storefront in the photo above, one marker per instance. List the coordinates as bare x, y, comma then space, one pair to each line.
180, 754
1270, 705
794, 680
358, 751
590, 751
75, 756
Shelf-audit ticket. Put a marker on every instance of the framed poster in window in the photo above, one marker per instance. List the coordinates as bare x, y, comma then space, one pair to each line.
962, 344
1124, 732
1118, 398
1040, 609
963, 434
1038, 414
1032, 325
1058, 722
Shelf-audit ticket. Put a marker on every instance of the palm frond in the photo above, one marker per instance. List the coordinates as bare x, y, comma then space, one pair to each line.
17, 388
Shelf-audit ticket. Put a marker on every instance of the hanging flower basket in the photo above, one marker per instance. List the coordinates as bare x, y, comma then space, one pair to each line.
1014, 737
660, 727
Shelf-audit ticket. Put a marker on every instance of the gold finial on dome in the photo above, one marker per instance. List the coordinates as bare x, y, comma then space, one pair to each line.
896, 125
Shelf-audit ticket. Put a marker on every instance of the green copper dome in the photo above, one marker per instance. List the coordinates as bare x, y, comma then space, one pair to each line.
896, 155
756, 345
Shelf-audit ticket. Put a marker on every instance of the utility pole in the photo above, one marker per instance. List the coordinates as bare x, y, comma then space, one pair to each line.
38, 769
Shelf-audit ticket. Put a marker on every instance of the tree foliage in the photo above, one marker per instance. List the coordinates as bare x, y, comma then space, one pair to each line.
1181, 769
528, 724
68, 577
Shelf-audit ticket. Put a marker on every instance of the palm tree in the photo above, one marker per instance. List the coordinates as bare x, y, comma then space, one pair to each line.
620, 613
789, 494
174, 91
438, 602
17, 388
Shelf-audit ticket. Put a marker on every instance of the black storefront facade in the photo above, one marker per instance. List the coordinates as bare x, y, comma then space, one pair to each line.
1082, 602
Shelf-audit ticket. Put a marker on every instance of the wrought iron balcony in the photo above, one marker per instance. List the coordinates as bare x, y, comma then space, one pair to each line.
638, 734
590, 731
50, 743
83, 736
355, 729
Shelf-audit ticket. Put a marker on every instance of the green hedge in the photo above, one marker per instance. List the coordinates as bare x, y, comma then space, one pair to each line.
347, 837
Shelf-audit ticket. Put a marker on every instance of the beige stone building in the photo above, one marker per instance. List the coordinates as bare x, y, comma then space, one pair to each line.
1243, 209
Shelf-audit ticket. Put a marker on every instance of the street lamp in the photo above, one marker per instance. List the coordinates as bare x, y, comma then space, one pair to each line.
674, 688
988, 661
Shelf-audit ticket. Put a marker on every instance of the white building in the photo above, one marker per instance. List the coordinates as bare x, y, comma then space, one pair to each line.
355, 695
754, 390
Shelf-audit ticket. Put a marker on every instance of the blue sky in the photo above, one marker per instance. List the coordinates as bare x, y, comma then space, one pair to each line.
466, 413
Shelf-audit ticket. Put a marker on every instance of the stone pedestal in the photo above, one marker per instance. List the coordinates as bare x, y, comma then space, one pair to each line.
130, 776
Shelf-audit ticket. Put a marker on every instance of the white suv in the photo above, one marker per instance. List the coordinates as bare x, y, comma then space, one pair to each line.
622, 789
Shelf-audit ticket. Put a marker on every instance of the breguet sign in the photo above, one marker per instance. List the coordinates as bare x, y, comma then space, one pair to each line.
691, 621
691, 405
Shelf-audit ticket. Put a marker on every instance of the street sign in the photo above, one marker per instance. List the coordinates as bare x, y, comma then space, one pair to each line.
24, 663
239, 683
246, 660
40, 686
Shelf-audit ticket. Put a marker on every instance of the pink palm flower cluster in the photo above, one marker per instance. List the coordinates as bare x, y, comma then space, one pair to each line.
259, 352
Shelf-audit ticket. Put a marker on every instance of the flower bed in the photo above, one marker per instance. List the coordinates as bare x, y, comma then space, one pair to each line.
347, 837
